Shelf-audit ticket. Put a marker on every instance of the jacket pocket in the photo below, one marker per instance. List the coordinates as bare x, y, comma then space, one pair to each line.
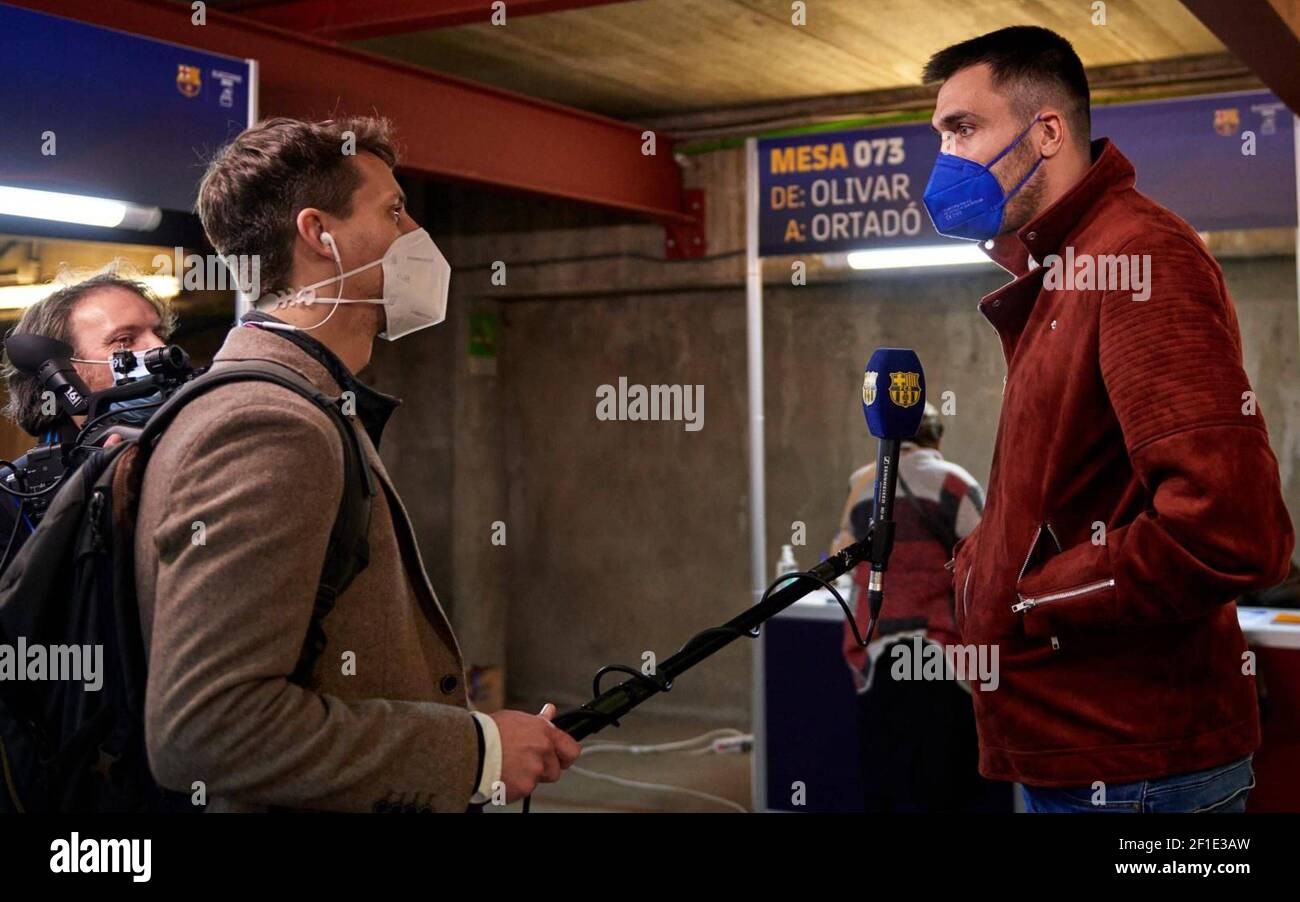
1029, 603
1068, 605
1083, 607
1042, 546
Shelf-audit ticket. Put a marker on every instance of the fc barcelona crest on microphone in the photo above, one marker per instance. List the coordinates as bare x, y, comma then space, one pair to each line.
188, 80
905, 388
869, 388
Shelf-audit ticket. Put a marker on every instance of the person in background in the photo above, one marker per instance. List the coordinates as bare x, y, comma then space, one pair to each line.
97, 316
918, 747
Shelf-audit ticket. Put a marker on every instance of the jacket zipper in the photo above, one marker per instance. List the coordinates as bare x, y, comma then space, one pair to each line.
1028, 603
1033, 543
964, 586
1056, 643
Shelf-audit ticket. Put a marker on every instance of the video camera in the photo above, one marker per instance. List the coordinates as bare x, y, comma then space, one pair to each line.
142, 381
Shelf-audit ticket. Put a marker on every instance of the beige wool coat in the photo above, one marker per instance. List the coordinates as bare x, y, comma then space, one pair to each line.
235, 512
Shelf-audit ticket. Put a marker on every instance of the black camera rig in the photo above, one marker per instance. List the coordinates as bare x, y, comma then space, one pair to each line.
83, 420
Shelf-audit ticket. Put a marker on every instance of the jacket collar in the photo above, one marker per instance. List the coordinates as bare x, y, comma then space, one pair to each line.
1047, 232
313, 361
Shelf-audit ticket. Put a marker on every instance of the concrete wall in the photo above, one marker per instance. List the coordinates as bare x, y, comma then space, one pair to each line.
626, 537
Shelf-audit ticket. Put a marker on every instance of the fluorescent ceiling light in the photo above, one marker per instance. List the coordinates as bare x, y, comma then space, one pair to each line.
17, 297
963, 254
77, 208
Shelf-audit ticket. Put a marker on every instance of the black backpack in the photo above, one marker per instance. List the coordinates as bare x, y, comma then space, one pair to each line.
64, 748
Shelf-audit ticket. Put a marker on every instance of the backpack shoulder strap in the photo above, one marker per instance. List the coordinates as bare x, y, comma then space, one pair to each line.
945, 535
348, 552
942, 532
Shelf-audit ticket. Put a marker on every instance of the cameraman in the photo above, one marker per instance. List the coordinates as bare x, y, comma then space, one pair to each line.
97, 316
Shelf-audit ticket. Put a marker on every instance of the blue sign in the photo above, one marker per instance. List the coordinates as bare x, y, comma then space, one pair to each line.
1189, 157
860, 189
93, 111
845, 190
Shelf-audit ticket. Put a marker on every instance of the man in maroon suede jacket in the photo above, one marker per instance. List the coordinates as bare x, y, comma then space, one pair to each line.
1133, 494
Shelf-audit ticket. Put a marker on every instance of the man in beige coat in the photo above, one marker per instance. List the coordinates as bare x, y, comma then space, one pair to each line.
239, 499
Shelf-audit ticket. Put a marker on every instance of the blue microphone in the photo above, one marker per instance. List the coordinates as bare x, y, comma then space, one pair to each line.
893, 401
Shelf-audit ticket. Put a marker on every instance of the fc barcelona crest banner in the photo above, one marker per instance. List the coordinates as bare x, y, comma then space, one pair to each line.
189, 80
136, 119
859, 189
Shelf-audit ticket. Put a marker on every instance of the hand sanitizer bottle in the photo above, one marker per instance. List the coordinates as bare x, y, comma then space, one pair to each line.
787, 563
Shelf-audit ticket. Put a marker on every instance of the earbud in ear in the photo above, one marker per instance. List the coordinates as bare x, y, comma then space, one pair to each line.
327, 238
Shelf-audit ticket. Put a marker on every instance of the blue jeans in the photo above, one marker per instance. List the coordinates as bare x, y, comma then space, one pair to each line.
1221, 790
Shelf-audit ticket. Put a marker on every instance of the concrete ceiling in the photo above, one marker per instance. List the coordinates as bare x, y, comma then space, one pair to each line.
647, 58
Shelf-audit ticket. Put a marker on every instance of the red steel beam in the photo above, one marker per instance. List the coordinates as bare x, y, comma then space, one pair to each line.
449, 127
1261, 37
350, 20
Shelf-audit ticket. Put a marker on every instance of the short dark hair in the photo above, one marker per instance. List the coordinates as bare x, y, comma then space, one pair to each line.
1037, 64
50, 317
930, 432
256, 185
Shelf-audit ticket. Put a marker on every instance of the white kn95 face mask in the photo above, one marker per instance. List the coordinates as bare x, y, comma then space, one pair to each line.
416, 281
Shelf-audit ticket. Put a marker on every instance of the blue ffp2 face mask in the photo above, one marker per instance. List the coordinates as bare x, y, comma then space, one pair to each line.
965, 199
